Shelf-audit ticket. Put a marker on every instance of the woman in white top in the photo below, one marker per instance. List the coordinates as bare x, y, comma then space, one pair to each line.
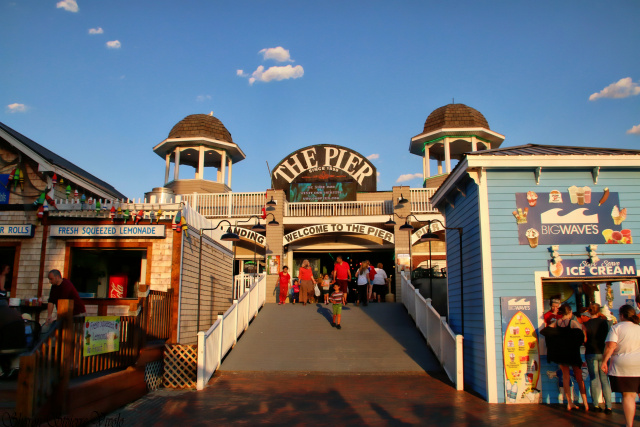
623, 348
363, 283
379, 282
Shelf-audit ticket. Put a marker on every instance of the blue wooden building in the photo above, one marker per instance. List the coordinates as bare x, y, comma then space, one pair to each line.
538, 221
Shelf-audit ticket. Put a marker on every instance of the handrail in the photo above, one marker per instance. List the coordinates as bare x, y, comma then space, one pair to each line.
446, 345
220, 338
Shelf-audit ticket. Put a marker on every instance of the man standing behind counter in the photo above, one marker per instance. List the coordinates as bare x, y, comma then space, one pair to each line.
63, 289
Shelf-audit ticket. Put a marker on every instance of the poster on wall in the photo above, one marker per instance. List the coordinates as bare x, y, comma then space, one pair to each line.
403, 262
101, 335
576, 216
520, 350
273, 264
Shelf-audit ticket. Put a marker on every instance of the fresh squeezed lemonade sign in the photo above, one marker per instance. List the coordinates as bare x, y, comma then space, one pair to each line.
520, 348
101, 335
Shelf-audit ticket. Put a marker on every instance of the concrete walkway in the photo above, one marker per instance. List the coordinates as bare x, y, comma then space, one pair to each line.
379, 338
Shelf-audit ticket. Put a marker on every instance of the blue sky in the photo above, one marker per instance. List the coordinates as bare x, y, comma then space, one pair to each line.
362, 74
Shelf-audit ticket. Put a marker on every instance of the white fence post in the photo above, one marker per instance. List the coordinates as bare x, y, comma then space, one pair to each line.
202, 352
459, 363
235, 332
220, 339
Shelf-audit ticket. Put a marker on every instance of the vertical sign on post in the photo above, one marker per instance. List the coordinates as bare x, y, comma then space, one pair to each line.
520, 350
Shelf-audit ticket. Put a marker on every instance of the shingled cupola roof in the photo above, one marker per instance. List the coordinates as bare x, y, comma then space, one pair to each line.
200, 125
455, 116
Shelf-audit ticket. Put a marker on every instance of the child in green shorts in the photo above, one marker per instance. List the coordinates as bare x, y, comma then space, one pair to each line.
336, 298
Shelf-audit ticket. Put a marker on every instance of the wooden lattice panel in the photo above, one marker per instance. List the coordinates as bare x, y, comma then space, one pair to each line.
153, 375
180, 365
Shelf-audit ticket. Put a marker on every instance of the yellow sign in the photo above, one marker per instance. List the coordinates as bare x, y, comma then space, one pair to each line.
101, 335
521, 360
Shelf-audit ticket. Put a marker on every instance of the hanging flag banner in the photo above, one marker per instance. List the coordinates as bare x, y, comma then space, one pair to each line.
520, 350
101, 335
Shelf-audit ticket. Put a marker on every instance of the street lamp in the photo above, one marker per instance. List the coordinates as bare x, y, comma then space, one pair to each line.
430, 237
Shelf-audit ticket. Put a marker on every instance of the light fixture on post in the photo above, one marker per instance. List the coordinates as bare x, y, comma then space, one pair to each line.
429, 236
273, 222
272, 202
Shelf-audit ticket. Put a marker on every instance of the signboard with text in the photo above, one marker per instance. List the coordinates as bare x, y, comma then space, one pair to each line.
322, 192
101, 335
576, 216
313, 230
520, 350
16, 230
604, 267
109, 231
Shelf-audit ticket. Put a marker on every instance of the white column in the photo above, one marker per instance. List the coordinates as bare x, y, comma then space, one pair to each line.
200, 171
439, 167
168, 166
230, 166
474, 144
447, 155
426, 166
176, 168
223, 165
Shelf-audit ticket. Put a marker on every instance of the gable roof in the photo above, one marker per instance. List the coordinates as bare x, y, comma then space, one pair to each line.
50, 161
554, 150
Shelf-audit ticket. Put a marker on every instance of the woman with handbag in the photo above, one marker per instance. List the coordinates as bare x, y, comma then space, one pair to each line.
306, 282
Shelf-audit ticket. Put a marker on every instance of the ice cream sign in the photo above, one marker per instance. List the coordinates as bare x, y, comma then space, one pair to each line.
603, 267
577, 216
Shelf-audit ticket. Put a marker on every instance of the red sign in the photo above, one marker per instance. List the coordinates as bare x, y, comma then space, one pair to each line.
118, 286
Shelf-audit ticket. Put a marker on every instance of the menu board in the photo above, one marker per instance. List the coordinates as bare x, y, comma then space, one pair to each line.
520, 350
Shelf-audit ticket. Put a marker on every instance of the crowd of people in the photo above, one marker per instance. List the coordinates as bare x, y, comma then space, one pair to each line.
612, 354
371, 284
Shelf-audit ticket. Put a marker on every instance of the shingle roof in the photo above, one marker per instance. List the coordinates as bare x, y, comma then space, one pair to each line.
61, 162
200, 125
455, 116
554, 150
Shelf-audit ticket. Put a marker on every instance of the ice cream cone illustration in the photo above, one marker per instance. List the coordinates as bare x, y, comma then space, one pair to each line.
532, 198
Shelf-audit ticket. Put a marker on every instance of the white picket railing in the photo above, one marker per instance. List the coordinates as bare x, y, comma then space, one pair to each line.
446, 345
241, 283
420, 202
215, 343
362, 208
226, 205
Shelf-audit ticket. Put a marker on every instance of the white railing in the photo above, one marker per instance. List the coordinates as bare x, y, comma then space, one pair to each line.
226, 205
241, 283
214, 344
420, 200
362, 208
446, 345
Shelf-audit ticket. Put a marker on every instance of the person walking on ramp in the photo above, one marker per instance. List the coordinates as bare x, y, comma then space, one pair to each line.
337, 300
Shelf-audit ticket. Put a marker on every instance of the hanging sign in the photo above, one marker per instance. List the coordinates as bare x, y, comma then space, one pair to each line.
16, 230
577, 216
312, 230
520, 350
117, 230
101, 335
603, 267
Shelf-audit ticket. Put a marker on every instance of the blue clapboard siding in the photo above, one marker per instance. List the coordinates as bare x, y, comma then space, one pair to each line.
514, 264
465, 215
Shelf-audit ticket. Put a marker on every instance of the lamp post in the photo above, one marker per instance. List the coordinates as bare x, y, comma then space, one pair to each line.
430, 237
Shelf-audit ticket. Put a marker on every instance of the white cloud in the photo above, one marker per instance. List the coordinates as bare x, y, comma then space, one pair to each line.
115, 44
279, 54
276, 73
98, 30
408, 177
202, 98
634, 130
68, 5
623, 88
16, 108
373, 156
241, 73
378, 176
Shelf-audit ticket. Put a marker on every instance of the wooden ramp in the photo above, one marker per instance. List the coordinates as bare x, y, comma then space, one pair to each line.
378, 338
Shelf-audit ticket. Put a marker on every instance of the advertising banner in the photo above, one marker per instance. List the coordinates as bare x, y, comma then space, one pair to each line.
17, 230
604, 267
322, 192
520, 350
577, 216
147, 231
312, 230
273, 264
101, 335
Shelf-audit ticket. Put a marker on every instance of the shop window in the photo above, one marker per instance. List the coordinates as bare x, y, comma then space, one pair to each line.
107, 273
579, 295
7, 259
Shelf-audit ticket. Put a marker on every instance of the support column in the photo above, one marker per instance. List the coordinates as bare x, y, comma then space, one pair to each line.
426, 164
402, 238
274, 236
200, 171
223, 166
230, 166
439, 167
474, 144
167, 167
176, 168
447, 155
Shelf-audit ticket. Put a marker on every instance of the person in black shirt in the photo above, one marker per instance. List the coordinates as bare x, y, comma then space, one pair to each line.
597, 328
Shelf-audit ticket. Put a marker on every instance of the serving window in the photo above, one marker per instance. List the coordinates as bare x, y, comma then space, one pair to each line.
579, 294
108, 272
